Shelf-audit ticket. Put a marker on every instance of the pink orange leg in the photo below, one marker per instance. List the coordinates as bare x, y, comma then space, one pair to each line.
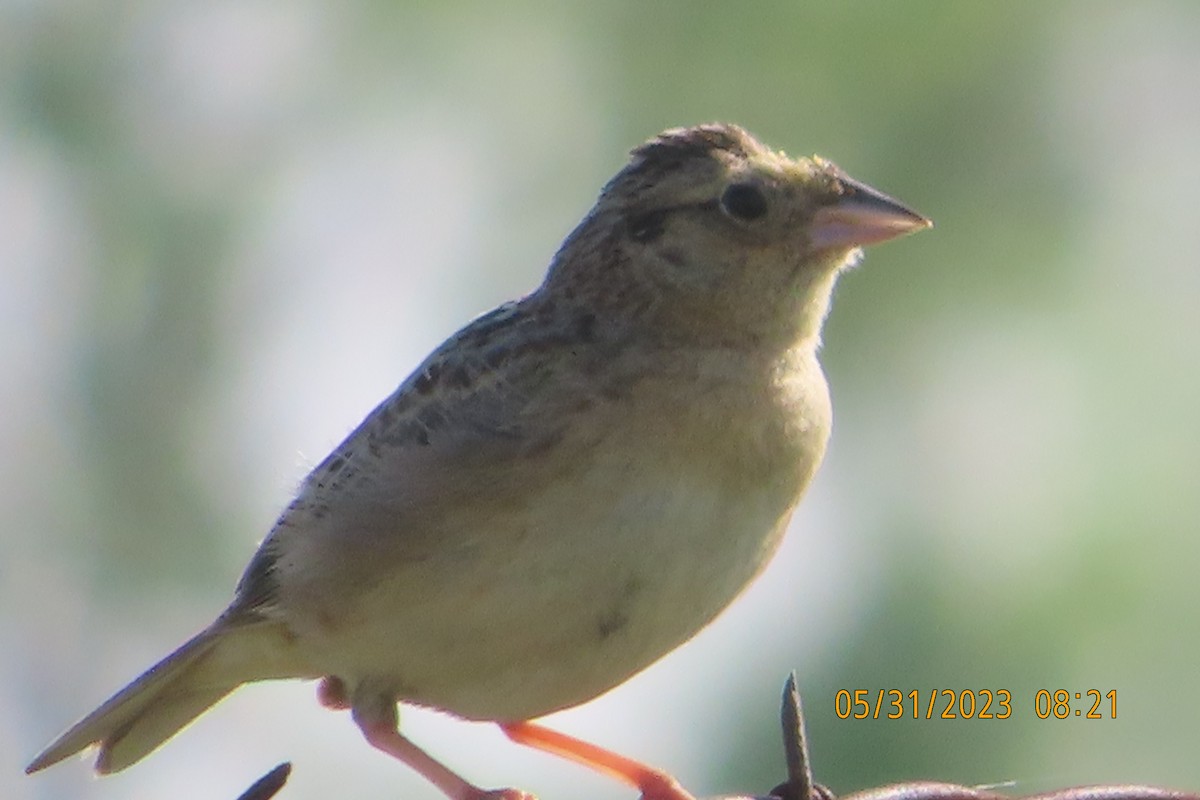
378, 723
654, 784
453, 785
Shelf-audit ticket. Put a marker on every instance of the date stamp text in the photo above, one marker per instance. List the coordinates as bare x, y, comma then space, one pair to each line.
972, 704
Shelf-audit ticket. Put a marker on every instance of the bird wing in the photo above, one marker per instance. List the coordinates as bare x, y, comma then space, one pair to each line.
464, 429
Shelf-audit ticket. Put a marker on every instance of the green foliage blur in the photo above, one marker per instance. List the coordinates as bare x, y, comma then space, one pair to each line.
228, 228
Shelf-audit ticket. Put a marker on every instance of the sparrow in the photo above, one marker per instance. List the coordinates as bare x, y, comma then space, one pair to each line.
568, 488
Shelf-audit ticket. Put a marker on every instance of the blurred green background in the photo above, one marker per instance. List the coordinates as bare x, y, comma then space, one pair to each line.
228, 228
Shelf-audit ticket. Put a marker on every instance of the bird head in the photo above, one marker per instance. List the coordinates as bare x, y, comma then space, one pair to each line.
709, 235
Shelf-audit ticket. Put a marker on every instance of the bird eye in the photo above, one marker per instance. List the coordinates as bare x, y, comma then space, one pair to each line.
744, 201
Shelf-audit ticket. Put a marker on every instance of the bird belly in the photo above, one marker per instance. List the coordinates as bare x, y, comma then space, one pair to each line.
571, 572
555, 602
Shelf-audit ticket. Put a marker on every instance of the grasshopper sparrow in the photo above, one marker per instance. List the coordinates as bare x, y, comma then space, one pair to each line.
570, 487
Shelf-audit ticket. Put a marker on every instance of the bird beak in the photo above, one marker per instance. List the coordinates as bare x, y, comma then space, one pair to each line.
861, 216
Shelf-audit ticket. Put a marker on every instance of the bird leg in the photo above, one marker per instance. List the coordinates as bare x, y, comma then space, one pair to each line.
654, 784
379, 725
454, 786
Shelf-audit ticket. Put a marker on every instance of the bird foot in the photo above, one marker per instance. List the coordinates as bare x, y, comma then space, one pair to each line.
656, 785
500, 794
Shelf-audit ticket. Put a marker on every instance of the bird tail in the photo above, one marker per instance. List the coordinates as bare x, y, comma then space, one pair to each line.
171, 694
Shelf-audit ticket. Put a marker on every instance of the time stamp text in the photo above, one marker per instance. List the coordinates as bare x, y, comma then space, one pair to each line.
972, 704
